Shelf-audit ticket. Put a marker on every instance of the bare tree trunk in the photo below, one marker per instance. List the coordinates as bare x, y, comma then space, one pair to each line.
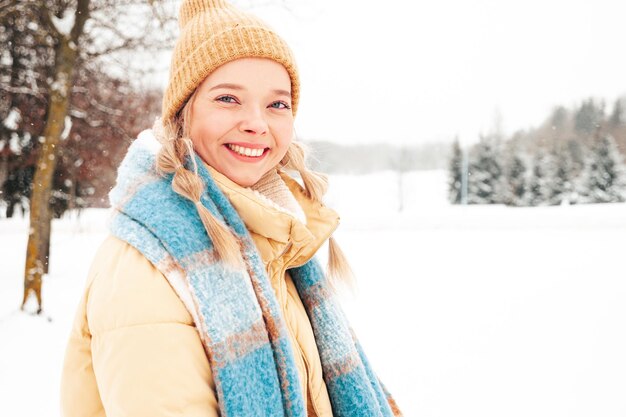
37, 252
44, 249
40, 218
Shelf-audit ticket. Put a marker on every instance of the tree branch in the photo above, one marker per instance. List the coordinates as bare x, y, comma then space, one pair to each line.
44, 13
22, 90
81, 17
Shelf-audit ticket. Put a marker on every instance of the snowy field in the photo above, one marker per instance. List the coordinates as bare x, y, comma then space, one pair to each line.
464, 311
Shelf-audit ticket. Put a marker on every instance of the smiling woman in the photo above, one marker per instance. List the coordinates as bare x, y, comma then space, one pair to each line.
206, 300
243, 129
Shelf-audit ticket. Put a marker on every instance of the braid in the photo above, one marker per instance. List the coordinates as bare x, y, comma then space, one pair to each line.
316, 185
176, 147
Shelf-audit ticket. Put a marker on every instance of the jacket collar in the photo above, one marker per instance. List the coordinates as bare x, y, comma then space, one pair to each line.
295, 241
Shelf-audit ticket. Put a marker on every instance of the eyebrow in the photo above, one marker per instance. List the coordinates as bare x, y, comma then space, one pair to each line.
238, 87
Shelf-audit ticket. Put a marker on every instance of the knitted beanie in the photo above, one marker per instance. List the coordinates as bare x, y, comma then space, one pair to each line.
213, 33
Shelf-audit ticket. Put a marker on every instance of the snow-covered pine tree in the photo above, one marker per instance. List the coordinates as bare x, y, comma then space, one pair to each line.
485, 174
561, 182
541, 180
588, 117
604, 175
455, 173
515, 173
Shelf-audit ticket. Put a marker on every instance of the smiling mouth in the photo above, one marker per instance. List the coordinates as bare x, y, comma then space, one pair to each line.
252, 153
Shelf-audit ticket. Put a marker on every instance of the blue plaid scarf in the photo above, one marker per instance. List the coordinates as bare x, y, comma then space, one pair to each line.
236, 311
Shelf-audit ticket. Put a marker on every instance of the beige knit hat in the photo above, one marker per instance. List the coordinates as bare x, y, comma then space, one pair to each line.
213, 33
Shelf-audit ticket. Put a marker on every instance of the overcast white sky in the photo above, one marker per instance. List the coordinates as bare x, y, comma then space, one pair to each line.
422, 71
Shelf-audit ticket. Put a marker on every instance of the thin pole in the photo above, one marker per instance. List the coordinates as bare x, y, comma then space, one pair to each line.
464, 175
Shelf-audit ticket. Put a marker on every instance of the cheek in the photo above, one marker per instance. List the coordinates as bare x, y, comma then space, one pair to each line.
204, 133
284, 135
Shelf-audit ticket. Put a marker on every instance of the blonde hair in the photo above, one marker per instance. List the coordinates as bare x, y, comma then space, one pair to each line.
177, 145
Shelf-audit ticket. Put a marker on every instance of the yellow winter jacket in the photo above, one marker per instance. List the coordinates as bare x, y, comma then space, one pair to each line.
134, 350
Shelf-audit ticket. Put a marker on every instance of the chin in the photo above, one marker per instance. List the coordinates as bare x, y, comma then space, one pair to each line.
246, 180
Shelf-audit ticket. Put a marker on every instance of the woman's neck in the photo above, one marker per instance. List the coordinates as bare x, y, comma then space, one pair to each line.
272, 187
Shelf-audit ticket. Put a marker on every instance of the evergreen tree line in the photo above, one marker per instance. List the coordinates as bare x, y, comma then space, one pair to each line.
576, 156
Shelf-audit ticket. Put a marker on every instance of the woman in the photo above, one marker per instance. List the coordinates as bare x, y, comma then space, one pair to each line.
206, 299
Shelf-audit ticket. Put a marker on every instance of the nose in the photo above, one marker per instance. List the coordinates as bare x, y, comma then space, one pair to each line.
253, 122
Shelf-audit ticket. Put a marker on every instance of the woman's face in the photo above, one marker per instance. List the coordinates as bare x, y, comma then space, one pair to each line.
241, 120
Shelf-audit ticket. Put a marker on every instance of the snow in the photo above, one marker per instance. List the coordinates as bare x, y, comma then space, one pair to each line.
67, 126
463, 310
65, 24
14, 144
13, 119
5, 57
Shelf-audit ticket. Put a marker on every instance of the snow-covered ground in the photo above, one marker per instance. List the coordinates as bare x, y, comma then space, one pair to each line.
464, 311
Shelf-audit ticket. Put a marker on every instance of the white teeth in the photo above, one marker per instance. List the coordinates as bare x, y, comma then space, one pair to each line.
245, 151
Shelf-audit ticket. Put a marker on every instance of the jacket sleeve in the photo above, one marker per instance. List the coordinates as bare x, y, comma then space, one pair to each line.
147, 356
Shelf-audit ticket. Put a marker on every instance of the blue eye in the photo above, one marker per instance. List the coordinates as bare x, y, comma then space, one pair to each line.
224, 99
273, 105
